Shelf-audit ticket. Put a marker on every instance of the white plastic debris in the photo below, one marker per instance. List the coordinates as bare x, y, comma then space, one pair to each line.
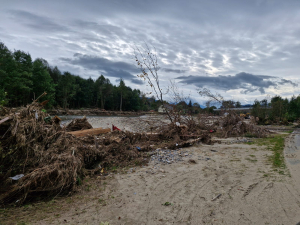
17, 177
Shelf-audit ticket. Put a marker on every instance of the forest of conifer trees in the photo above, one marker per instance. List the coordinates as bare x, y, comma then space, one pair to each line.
22, 80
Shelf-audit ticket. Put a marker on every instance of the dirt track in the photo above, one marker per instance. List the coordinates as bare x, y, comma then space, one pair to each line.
292, 155
251, 192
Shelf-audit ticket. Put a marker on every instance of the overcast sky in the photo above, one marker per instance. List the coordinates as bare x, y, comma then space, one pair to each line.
242, 49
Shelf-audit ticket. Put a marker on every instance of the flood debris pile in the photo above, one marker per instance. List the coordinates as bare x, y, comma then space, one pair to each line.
79, 124
39, 158
183, 129
39, 148
114, 149
233, 125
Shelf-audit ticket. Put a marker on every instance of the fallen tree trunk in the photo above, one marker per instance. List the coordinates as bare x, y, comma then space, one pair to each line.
94, 131
5, 119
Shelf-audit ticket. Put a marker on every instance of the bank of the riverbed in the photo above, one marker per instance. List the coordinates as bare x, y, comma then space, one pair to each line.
95, 112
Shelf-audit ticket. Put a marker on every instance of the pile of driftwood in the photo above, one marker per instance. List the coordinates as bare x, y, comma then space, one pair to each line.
41, 158
231, 124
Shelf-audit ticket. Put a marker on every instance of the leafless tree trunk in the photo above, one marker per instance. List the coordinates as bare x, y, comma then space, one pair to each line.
147, 62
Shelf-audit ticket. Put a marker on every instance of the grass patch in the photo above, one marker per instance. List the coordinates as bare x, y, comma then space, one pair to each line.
250, 135
276, 145
277, 158
22, 223
102, 202
167, 203
289, 131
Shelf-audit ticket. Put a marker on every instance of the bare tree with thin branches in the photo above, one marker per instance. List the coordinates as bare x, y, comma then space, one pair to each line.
146, 60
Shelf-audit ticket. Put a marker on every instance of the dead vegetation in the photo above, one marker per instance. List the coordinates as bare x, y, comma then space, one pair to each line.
79, 124
234, 125
51, 161
230, 123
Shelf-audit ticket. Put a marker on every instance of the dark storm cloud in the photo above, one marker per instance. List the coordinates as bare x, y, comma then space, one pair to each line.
284, 81
105, 66
246, 81
37, 22
137, 81
173, 70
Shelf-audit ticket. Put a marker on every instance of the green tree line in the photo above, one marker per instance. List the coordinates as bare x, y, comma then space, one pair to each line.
278, 109
22, 80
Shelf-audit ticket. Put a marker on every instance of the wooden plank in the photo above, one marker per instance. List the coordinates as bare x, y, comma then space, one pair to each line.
94, 131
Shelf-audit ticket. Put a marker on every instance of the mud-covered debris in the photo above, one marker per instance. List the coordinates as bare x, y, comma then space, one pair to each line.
79, 124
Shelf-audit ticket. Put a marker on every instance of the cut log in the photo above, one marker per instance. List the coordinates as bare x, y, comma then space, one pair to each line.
94, 131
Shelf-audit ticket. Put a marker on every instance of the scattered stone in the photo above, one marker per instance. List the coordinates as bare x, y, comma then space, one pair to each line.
243, 140
166, 156
192, 161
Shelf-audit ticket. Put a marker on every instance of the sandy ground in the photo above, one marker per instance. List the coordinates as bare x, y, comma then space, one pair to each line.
236, 185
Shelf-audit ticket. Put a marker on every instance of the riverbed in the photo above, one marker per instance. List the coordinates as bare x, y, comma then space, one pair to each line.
145, 123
